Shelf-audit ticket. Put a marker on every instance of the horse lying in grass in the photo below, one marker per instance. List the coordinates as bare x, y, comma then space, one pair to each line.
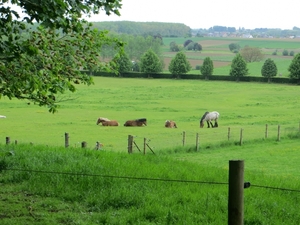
209, 117
136, 123
107, 122
170, 124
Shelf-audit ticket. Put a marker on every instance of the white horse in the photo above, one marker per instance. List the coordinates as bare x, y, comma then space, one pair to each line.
208, 117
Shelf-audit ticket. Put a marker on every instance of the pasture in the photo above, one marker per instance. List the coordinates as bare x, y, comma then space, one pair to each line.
217, 49
94, 187
247, 106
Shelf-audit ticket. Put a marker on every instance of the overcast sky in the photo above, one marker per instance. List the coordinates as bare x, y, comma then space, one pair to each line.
284, 14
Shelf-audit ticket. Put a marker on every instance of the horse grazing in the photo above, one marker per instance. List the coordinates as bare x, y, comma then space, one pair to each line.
170, 124
136, 123
107, 122
209, 117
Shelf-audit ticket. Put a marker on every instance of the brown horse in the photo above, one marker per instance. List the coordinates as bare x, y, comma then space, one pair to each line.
110, 123
107, 122
170, 124
136, 123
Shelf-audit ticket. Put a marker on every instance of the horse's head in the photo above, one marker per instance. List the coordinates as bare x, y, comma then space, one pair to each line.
98, 121
201, 123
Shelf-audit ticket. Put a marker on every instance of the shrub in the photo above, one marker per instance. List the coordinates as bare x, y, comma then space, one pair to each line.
285, 52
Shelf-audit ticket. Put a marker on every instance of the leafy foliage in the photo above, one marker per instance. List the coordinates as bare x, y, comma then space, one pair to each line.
251, 54
150, 62
234, 46
124, 64
179, 64
174, 47
208, 67
285, 52
39, 64
269, 69
197, 47
154, 29
187, 42
294, 67
238, 67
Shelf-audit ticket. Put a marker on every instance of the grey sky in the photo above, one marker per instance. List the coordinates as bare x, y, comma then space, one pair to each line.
204, 14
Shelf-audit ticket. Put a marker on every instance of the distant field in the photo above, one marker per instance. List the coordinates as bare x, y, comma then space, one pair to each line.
248, 106
217, 49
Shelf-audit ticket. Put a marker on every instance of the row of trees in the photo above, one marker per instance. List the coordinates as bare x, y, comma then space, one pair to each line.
151, 63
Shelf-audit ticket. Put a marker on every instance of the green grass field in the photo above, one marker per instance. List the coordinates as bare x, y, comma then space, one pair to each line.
47, 184
248, 106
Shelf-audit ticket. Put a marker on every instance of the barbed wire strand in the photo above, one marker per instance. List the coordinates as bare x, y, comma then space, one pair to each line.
118, 177
148, 179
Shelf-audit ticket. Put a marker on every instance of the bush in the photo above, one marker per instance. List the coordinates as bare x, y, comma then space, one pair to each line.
285, 52
198, 67
292, 53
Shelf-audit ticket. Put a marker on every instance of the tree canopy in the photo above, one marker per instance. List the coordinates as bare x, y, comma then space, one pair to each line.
40, 64
150, 62
269, 69
251, 54
124, 64
179, 64
207, 67
238, 67
294, 67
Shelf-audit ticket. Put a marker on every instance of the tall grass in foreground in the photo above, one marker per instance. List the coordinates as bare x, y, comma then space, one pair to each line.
117, 188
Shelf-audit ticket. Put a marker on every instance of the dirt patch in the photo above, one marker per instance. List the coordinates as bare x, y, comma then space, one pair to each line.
208, 43
195, 62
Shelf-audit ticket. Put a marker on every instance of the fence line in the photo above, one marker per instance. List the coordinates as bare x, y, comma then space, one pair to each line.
131, 144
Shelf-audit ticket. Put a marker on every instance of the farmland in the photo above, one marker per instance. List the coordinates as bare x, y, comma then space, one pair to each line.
81, 186
217, 49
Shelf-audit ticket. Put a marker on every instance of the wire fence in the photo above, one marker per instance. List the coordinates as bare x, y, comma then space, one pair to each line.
148, 179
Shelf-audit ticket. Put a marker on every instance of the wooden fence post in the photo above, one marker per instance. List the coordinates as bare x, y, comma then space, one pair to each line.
130, 142
241, 136
183, 138
7, 140
266, 132
66, 140
197, 142
278, 133
228, 135
145, 146
83, 144
16, 142
236, 193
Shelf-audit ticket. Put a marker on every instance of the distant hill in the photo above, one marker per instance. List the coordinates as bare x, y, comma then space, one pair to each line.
145, 28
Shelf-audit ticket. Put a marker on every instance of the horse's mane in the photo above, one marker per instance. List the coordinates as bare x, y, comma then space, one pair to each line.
203, 117
103, 119
142, 120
